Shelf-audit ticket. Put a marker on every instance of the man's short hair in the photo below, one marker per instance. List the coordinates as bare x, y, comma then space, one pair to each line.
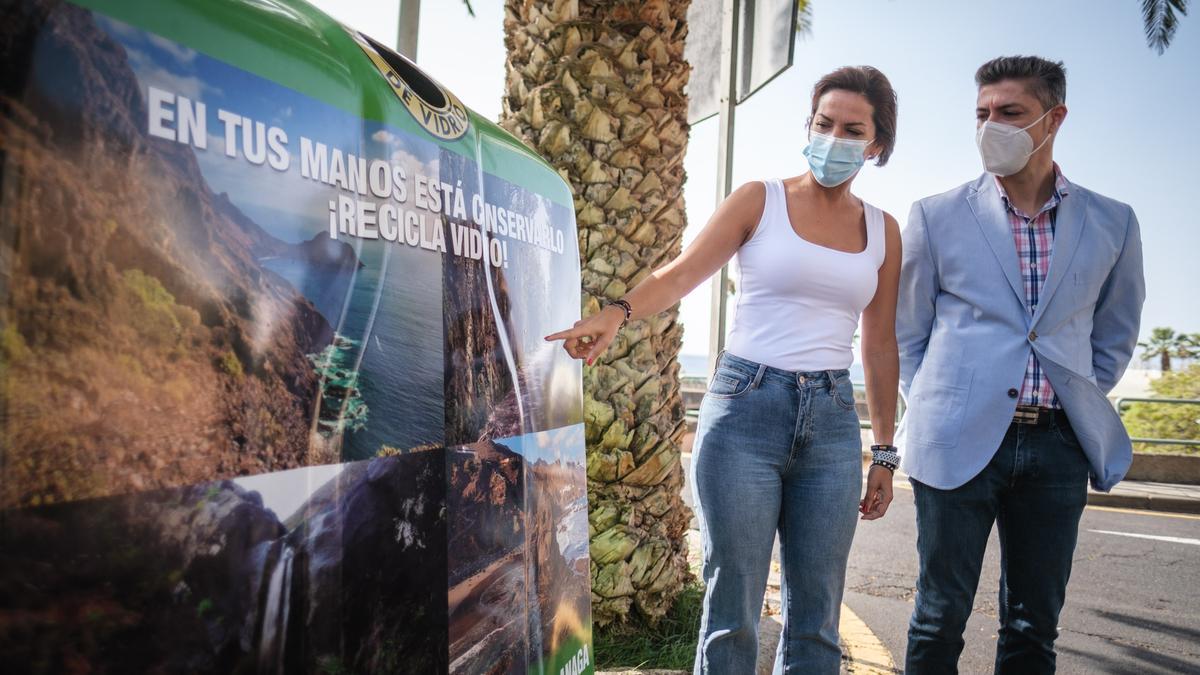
1046, 80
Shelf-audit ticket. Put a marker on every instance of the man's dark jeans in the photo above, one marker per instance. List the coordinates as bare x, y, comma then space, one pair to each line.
1035, 489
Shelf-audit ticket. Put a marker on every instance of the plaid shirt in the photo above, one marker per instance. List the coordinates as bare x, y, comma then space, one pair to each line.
1034, 237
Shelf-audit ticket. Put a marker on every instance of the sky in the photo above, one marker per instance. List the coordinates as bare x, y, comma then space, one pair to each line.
1129, 134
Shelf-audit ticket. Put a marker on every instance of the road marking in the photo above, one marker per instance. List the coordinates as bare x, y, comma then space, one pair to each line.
866, 654
1154, 537
1144, 512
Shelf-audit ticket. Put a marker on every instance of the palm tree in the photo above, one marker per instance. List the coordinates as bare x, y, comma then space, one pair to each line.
597, 87
1187, 347
1165, 343
804, 18
1160, 21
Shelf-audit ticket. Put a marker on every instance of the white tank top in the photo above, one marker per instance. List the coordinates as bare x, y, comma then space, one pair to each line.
798, 303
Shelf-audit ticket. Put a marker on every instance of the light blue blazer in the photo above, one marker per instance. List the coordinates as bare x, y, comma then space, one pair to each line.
965, 330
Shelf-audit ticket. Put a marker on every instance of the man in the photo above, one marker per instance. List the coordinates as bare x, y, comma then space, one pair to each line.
1020, 299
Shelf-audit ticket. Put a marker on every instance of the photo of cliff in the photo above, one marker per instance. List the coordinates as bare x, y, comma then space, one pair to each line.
559, 603
517, 537
212, 579
143, 343
480, 386
486, 556
501, 378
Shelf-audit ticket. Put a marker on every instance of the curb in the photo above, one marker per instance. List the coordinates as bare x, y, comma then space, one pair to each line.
1145, 502
862, 651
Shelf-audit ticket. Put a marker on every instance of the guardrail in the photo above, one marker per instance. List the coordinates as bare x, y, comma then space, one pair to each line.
693, 390
865, 423
860, 404
1123, 401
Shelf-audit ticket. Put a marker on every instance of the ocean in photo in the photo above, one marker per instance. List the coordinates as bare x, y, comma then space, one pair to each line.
391, 322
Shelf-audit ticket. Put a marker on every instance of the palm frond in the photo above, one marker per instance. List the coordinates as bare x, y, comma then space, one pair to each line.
1160, 21
804, 18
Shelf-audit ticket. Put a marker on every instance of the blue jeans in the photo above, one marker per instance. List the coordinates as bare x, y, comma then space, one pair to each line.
775, 451
1034, 489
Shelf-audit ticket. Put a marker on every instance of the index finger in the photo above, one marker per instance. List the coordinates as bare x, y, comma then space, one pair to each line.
564, 334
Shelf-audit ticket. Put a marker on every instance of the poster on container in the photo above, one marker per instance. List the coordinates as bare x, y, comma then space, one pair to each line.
273, 393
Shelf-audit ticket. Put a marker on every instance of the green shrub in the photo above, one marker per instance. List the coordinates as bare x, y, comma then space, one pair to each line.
149, 289
205, 606
230, 364
155, 309
1158, 420
12, 345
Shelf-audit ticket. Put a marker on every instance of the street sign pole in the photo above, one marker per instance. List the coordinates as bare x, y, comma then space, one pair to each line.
730, 30
406, 37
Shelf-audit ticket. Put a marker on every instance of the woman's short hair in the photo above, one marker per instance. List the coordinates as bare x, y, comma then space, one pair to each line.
874, 86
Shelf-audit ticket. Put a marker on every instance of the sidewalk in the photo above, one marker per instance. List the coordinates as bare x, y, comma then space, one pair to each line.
862, 652
1149, 496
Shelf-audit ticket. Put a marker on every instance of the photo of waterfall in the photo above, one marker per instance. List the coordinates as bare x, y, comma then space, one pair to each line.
213, 578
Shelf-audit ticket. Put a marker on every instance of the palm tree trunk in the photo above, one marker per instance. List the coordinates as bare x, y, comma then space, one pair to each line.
596, 87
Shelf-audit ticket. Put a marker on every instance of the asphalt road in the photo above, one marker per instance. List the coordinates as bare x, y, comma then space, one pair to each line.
1133, 604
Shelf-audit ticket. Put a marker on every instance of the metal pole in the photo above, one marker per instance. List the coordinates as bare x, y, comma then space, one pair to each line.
730, 12
406, 37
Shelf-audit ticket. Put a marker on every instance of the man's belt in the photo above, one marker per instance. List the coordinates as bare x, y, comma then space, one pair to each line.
1036, 416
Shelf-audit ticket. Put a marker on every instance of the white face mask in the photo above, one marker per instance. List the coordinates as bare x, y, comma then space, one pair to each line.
1006, 149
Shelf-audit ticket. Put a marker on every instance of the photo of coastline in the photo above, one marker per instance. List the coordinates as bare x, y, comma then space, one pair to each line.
517, 536
560, 602
198, 320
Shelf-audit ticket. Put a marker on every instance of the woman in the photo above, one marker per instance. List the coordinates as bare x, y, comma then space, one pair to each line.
778, 446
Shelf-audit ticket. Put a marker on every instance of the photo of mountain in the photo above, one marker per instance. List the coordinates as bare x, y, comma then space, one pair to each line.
134, 291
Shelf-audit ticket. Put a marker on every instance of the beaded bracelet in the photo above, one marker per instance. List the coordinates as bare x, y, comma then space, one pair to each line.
885, 456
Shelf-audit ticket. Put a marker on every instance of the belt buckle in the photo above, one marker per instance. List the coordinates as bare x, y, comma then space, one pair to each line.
1027, 414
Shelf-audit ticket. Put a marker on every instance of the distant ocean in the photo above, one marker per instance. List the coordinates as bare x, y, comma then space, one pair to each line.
693, 365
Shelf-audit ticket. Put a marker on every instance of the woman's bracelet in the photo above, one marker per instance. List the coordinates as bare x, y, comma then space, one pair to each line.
624, 305
885, 456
